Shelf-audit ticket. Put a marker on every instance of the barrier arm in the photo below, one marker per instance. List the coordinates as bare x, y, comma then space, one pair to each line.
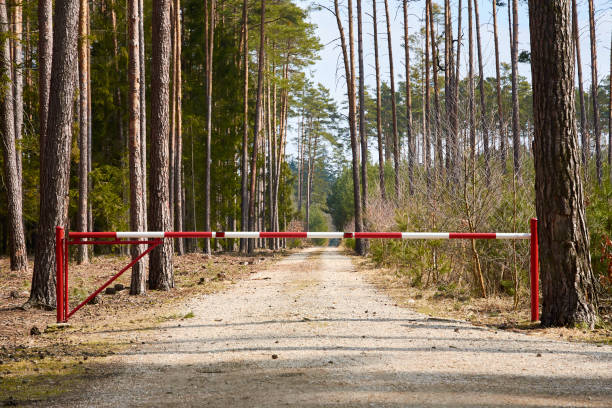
155, 238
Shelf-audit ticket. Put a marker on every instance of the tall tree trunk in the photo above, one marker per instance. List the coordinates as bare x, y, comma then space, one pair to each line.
45, 47
161, 274
393, 102
500, 111
483, 106
349, 71
118, 101
363, 137
18, 81
426, 113
244, 193
583, 130
138, 280
471, 82
209, 68
568, 284
409, 132
435, 64
359, 244
449, 72
82, 215
516, 137
178, 154
89, 130
594, 84
56, 167
143, 113
610, 116
257, 128
281, 148
17, 247
172, 141
455, 114
381, 158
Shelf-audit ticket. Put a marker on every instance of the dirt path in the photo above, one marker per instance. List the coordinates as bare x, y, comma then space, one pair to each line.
338, 342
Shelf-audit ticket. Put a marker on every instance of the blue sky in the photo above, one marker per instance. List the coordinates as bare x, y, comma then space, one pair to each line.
329, 68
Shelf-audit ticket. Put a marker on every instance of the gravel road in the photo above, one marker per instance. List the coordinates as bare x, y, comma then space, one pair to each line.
310, 332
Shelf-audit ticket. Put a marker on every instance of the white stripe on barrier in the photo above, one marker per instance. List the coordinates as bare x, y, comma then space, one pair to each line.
330, 235
242, 234
512, 235
425, 235
140, 234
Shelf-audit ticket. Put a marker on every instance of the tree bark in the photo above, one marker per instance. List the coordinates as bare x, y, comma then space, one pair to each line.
393, 103
138, 279
435, 64
359, 244
143, 114
161, 274
471, 81
426, 113
209, 67
363, 137
594, 84
381, 158
568, 284
45, 46
516, 137
500, 112
56, 168
583, 130
610, 117
244, 193
18, 81
409, 133
349, 71
257, 128
455, 115
172, 141
178, 154
82, 214
17, 247
449, 72
483, 106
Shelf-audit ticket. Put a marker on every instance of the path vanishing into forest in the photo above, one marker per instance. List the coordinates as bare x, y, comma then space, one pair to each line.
310, 332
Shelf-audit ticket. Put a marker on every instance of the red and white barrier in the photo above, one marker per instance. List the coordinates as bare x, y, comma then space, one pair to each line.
303, 235
155, 238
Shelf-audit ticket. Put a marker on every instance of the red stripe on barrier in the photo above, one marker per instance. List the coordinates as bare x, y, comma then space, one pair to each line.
116, 241
378, 235
220, 234
75, 234
187, 234
472, 235
348, 235
283, 234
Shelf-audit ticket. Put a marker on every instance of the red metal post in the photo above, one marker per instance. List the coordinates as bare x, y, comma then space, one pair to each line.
59, 269
66, 261
534, 272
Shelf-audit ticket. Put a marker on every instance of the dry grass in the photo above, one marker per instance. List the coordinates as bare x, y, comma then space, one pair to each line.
497, 311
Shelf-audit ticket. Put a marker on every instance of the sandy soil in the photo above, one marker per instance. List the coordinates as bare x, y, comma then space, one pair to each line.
310, 332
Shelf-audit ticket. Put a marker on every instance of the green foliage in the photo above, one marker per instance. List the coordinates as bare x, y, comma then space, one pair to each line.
110, 210
318, 222
599, 222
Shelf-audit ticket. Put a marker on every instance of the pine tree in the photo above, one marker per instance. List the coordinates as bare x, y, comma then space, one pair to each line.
56, 163
161, 274
568, 284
